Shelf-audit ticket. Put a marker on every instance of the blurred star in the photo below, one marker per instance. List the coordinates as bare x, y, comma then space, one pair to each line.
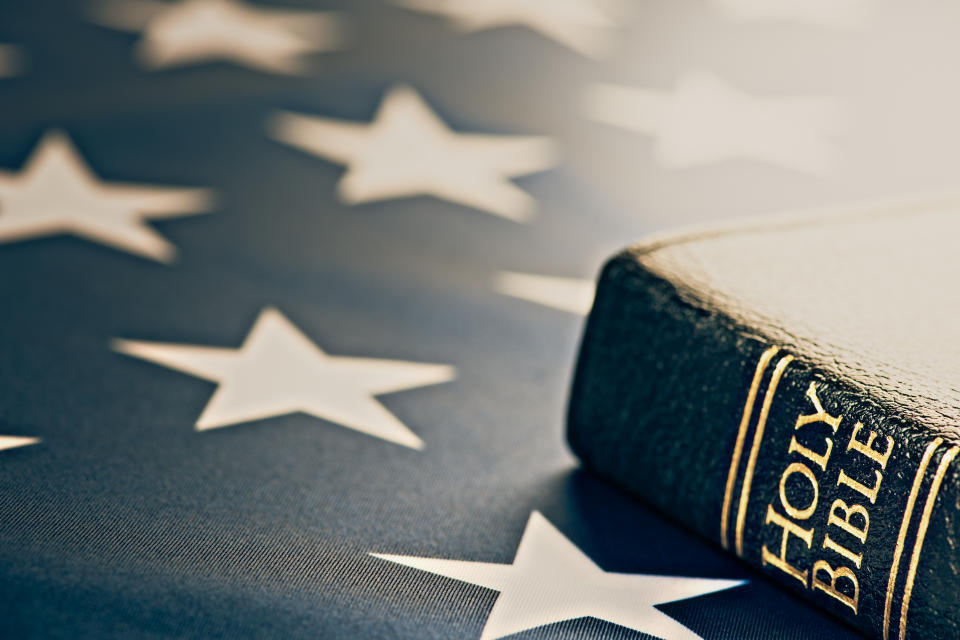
14, 442
56, 193
195, 31
11, 60
577, 24
573, 295
551, 580
278, 371
823, 13
707, 121
407, 151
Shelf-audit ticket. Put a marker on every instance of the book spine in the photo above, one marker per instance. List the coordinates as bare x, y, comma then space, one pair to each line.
796, 472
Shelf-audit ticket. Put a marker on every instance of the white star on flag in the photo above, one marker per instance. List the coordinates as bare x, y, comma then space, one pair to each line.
193, 31
551, 580
706, 121
577, 24
573, 295
407, 151
56, 193
823, 13
13, 442
11, 60
278, 371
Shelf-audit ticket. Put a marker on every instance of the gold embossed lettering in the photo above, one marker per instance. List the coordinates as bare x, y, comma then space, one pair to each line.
870, 493
855, 558
831, 588
804, 470
844, 522
866, 448
820, 415
789, 528
819, 459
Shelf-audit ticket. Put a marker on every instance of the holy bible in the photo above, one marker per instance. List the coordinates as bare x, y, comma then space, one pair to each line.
791, 391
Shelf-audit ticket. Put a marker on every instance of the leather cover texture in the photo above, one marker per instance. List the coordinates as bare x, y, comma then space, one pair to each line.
792, 392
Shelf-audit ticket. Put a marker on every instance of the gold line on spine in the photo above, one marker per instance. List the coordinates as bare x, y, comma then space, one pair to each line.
765, 359
904, 525
921, 533
755, 449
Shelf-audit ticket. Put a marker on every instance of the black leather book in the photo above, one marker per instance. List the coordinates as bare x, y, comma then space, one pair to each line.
791, 390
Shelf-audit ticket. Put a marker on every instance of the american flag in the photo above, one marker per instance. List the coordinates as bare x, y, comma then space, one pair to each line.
292, 291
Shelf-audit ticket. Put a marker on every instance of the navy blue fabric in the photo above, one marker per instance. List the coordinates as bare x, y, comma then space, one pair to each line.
124, 522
